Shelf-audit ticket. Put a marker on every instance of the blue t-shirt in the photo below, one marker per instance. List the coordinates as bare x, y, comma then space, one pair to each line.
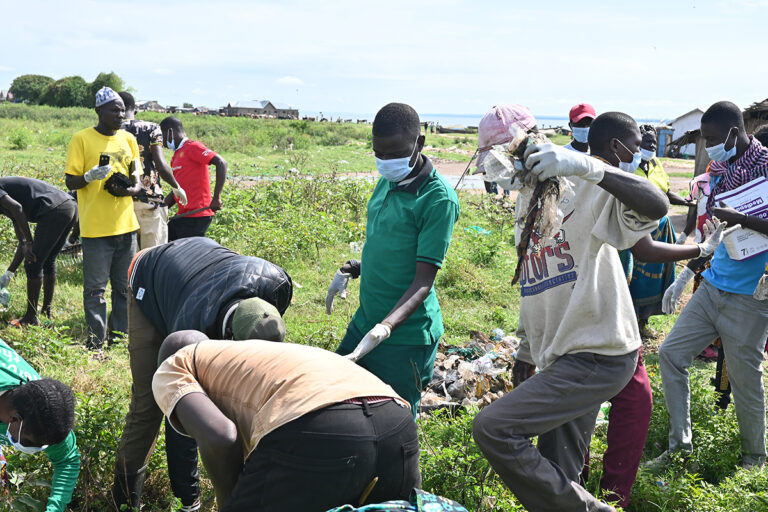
735, 276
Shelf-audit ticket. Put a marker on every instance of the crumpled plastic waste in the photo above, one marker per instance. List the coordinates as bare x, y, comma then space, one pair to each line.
475, 374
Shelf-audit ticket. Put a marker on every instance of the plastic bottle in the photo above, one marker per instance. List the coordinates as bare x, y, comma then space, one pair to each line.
497, 334
5, 297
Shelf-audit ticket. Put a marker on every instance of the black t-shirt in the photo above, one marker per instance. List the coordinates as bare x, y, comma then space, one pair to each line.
147, 135
35, 197
191, 283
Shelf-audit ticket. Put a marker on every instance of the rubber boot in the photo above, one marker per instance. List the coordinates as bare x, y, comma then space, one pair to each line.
127, 490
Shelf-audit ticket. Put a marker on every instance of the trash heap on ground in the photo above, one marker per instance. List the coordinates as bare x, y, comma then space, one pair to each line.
474, 374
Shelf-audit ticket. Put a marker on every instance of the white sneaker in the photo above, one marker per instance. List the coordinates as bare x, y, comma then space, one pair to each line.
191, 508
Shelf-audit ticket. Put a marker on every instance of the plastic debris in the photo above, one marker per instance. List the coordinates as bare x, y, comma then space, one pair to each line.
474, 374
479, 230
5, 297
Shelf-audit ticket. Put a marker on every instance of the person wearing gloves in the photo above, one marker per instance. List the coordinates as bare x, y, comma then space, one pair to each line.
651, 278
190, 169
37, 415
107, 221
580, 119
287, 427
152, 217
723, 305
26, 200
614, 142
192, 283
395, 331
579, 322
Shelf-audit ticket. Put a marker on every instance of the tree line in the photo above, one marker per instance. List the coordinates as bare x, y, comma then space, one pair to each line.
71, 91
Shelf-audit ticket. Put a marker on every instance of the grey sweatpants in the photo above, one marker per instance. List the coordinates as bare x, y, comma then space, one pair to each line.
560, 405
741, 322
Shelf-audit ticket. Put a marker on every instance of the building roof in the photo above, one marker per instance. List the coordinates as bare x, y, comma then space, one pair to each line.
259, 104
697, 110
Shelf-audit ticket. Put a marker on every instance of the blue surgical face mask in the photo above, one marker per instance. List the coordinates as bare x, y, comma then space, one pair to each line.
396, 169
171, 142
580, 134
632, 166
718, 153
21, 447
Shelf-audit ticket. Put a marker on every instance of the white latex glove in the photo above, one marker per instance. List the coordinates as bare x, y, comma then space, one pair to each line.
672, 295
713, 235
338, 286
98, 172
5, 279
682, 238
370, 341
550, 160
181, 196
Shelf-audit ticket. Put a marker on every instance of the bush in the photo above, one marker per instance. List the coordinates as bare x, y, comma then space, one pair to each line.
20, 138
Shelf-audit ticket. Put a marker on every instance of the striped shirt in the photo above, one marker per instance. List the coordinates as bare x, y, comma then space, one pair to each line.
751, 165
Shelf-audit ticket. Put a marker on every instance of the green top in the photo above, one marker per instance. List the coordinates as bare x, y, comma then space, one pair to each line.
65, 457
407, 223
656, 174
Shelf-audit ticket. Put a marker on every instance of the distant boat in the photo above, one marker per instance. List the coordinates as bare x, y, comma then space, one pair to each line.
456, 129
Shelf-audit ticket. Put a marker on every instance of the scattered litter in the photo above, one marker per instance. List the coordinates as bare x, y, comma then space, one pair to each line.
602, 415
479, 230
343, 162
5, 297
355, 246
293, 170
474, 374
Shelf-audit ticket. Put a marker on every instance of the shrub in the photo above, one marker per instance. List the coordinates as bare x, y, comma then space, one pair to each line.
20, 138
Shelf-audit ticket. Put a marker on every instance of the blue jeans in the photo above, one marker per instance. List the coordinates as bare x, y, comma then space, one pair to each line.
106, 259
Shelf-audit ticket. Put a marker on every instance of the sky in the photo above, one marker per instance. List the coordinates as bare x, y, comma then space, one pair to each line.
651, 59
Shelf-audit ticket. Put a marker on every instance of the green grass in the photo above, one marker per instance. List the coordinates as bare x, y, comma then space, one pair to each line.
310, 227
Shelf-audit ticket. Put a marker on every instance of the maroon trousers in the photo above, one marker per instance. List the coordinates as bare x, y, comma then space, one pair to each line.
629, 418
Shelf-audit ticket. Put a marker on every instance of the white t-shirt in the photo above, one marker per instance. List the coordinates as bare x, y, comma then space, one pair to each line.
574, 291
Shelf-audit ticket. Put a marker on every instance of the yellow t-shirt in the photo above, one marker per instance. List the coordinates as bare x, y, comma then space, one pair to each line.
101, 213
656, 174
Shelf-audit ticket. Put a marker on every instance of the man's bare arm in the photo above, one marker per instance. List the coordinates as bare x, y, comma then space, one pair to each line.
414, 296
638, 194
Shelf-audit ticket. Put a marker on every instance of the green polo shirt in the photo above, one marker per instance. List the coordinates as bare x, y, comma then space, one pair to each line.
407, 223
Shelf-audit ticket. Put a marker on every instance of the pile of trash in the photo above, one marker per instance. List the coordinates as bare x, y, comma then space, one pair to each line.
474, 374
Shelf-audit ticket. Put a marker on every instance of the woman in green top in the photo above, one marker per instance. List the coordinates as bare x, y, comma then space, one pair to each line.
37, 415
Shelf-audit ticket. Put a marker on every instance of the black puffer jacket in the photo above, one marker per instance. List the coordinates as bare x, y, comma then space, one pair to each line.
192, 282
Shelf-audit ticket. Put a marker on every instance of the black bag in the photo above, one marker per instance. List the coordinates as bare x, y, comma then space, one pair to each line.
118, 184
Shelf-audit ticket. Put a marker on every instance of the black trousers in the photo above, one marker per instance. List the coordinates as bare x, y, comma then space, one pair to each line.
187, 227
328, 458
181, 453
50, 234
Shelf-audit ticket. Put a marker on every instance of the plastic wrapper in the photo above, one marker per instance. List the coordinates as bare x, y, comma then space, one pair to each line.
761, 292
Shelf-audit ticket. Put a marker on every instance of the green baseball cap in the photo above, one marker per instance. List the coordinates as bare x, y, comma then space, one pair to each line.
257, 319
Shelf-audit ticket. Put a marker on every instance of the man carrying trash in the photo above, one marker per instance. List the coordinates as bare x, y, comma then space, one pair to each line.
192, 283
395, 332
580, 326
287, 427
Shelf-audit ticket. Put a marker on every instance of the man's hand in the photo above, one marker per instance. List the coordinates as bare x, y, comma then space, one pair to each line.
550, 160
97, 173
682, 238
728, 215
5, 279
713, 235
216, 203
675, 290
181, 195
522, 371
338, 287
370, 341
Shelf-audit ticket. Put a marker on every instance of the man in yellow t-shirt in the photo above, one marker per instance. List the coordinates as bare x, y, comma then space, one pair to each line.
107, 221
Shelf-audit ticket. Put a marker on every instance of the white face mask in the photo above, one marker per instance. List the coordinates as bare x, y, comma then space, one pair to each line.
647, 154
21, 447
396, 169
580, 134
718, 153
171, 142
632, 166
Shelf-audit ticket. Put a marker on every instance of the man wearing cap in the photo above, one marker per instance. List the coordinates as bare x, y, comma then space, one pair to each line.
191, 283
579, 120
107, 223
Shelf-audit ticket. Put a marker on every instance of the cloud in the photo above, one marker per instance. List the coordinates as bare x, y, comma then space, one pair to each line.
290, 80
162, 71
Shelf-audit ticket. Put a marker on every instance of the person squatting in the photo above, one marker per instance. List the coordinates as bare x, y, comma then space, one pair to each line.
206, 333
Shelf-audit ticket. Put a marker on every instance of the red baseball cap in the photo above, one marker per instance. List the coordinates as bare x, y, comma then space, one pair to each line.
581, 111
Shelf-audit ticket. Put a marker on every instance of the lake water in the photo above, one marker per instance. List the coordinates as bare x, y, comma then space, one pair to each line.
450, 119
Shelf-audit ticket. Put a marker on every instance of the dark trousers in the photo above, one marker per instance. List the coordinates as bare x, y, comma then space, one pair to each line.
328, 458
186, 227
50, 234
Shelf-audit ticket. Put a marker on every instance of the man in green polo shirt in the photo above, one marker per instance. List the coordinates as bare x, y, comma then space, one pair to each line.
395, 331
